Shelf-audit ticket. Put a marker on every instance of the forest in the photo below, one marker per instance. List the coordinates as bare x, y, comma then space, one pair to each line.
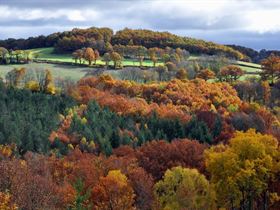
197, 129
104, 143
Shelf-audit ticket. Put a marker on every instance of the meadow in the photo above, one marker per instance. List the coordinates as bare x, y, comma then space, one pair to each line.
48, 55
75, 72
58, 70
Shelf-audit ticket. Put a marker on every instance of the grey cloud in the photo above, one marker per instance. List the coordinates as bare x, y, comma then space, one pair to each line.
256, 41
228, 27
62, 3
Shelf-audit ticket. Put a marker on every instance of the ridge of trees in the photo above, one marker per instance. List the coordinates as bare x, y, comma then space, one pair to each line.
102, 38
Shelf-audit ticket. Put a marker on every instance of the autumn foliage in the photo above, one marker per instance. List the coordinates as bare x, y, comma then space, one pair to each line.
176, 98
109, 144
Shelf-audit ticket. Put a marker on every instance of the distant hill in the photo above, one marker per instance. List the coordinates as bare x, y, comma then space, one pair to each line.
102, 38
255, 56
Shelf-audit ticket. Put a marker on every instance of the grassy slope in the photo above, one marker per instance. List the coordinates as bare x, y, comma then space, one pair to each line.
47, 54
58, 71
250, 67
249, 64
75, 73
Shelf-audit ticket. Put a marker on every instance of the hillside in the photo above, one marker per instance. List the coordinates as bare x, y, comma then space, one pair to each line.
145, 113
99, 38
253, 55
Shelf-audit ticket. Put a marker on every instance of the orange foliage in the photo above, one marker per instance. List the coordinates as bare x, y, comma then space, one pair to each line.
173, 99
6, 203
113, 192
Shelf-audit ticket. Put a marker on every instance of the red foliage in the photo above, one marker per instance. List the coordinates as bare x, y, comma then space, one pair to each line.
158, 156
142, 184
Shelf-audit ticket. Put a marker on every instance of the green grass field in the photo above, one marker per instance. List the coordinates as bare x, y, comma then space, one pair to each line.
249, 68
77, 72
47, 54
249, 64
58, 71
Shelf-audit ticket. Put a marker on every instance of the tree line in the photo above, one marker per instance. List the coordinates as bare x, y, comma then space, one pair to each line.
253, 55
117, 53
100, 38
14, 56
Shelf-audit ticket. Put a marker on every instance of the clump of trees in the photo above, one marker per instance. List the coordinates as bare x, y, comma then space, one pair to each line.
39, 80
28, 118
154, 54
96, 130
206, 74
14, 56
243, 171
271, 69
90, 55
253, 55
230, 73
150, 39
191, 94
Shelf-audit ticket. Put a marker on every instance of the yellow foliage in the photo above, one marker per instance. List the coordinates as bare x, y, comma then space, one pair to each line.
84, 120
51, 89
84, 140
32, 85
184, 188
70, 146
244, 166
92, 144
117, 174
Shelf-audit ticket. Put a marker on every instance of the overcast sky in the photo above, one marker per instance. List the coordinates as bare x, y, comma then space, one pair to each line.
251, 23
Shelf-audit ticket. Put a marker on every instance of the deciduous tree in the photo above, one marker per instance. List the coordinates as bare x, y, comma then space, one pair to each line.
271, 68
230, 73
158, 156
89, 55
116, 58
113, 192
206, 74
242, 170
184, 188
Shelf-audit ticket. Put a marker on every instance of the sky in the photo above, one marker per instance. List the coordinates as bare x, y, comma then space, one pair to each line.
250, 23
